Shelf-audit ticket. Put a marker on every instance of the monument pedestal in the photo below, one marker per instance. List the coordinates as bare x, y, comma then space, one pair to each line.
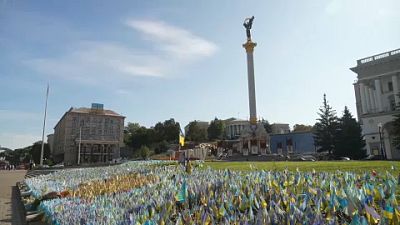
255, 140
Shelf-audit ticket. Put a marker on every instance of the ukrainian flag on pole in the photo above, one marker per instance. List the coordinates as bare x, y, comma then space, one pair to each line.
181, 138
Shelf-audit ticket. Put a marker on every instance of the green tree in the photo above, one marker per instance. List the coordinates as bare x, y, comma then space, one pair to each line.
161, 147
17, 156
349, 140
216, 129
196, 133
142, 136
168, 130
157, 137
302, 128
129, 130
267, 126
144, 152
36, 151
325, 128
396, 131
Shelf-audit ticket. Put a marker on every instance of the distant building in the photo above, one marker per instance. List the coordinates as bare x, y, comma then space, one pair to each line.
293, 143
234, 128
99, 131
50, 142
377, 100
280, 128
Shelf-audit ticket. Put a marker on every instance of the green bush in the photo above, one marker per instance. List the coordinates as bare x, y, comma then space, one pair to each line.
144, 152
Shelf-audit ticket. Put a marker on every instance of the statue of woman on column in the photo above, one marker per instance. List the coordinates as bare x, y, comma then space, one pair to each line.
248, 23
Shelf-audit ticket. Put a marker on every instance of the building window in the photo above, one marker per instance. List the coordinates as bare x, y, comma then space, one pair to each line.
392, 103
390, 86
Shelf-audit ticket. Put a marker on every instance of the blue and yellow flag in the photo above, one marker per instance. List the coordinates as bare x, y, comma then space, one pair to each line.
388, 212
181, 139
182, 193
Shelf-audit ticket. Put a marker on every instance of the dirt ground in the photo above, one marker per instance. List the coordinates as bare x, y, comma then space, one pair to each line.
9, 213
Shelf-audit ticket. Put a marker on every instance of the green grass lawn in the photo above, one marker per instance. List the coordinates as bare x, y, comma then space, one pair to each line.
328, 166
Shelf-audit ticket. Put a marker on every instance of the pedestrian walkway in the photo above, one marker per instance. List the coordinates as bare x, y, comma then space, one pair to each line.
9, 213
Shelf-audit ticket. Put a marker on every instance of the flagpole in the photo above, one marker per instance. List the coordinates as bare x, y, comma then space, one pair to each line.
44, 126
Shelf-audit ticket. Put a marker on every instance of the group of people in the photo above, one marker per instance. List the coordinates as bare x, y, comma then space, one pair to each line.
9, 167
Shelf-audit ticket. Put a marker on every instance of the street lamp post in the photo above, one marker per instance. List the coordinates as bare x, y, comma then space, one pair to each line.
382, 149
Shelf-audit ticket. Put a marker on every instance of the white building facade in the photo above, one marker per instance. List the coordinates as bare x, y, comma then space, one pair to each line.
280, 128
377, 90
234, 128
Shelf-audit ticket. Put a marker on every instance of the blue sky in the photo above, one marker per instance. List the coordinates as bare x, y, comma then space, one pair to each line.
155, 60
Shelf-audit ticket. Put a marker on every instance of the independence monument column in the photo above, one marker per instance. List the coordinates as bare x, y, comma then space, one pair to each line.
249, 46
254, 138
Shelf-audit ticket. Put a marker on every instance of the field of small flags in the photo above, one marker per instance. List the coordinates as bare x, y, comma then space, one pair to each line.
158, 192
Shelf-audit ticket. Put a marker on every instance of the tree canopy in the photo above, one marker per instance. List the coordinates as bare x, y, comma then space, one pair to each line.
325, 128
216, 130
196, 133
36, 151
24, 155
396, 131
167, 131
157, 138
302, 128
349, 140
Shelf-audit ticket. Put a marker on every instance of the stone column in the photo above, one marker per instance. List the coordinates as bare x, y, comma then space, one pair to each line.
363, 98
378, 92
91, 153
368, 99
376, 101
109, 152
372, 99
396, 90
249, 46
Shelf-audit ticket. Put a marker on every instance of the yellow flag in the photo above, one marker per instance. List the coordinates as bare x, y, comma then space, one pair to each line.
181, 140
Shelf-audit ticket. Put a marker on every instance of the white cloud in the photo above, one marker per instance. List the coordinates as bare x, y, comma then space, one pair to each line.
175, 41
96, 61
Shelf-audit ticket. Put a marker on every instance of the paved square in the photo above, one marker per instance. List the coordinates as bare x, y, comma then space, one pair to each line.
8, 179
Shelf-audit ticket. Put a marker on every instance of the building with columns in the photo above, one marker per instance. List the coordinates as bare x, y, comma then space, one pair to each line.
280, 128
377, 90
95, 134
234, 128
